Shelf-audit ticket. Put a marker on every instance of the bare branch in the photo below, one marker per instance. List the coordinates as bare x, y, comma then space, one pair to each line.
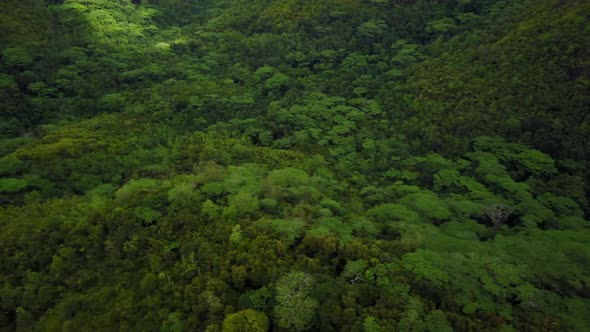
498, 214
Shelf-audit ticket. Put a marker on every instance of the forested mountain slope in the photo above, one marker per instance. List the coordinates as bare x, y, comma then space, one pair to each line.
333, 165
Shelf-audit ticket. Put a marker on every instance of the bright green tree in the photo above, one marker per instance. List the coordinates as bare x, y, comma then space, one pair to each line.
295, 308
246, 321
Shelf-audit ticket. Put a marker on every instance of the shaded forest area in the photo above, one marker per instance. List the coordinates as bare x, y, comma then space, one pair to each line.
292, 165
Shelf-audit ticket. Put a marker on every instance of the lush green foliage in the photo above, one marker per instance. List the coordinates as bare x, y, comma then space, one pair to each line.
333, 165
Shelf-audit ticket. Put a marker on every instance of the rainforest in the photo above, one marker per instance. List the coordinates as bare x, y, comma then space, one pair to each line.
294, 165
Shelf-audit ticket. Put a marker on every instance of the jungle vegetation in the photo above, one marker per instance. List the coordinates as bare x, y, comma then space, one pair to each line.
293, 165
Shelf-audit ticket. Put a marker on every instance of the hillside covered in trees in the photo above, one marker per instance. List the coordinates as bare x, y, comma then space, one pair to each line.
294, 165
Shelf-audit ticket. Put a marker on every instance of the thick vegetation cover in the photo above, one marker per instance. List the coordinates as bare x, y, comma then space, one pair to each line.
290, 165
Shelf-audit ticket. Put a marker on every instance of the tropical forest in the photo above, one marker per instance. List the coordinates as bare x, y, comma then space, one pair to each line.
295, 165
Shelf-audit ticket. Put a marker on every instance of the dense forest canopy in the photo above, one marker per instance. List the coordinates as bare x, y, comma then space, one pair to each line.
292, 165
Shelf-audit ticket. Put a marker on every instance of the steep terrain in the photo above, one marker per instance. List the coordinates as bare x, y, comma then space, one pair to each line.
333, 165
